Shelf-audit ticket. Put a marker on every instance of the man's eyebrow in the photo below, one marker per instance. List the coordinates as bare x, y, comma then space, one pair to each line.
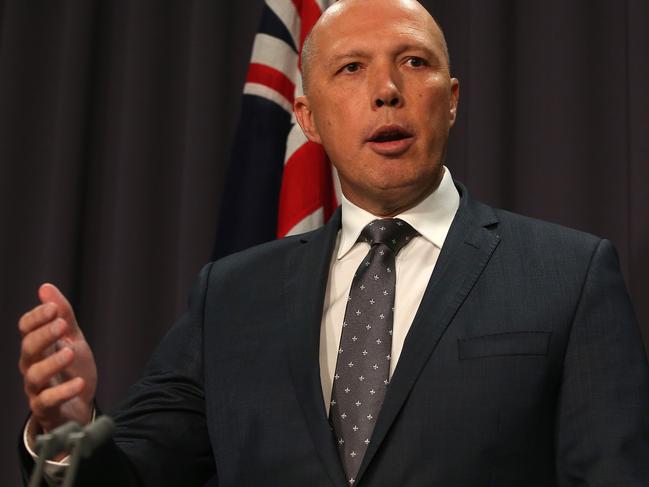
409, 46
398, 49
346, 55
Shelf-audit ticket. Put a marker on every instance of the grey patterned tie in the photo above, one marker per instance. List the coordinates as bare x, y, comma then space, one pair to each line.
363, 365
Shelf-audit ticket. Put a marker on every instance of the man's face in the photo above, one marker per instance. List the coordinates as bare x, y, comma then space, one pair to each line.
380, 100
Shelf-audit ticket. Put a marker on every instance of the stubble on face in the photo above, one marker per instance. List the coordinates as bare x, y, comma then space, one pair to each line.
378, 69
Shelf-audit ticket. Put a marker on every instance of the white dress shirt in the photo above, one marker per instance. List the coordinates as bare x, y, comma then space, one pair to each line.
414, 265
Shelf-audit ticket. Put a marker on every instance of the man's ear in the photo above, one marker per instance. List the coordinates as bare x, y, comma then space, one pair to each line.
455, 97
304, 117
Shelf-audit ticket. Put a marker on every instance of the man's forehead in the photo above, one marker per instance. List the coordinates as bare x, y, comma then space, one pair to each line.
358, 20
346, 18
344, 12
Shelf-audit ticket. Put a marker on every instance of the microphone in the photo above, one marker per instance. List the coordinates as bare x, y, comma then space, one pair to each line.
97, 433
49, 445
83, 443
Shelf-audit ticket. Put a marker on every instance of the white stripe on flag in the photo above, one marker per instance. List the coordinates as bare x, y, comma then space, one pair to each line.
289, 16
275, 53
268, 93
294, 141
298, 83
310, 222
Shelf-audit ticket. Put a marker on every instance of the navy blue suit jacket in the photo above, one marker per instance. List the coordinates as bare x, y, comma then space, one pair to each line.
524, 366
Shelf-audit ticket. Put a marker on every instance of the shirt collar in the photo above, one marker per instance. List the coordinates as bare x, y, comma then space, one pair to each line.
432, 217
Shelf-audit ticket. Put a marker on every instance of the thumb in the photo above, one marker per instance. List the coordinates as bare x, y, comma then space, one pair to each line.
49, 293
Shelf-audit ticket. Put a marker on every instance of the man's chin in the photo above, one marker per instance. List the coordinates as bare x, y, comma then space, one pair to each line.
388, 200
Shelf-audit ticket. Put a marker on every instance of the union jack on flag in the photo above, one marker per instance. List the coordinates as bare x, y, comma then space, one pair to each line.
278, 182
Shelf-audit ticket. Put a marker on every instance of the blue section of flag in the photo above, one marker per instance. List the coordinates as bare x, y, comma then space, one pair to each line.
273, 26
249, 207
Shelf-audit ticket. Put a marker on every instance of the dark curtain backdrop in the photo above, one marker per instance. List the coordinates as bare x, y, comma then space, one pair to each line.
116, 121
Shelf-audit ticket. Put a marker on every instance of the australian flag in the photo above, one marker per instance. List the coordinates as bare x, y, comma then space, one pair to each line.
278, 182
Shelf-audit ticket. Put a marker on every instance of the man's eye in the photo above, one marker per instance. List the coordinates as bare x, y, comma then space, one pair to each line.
416, 62
351, 68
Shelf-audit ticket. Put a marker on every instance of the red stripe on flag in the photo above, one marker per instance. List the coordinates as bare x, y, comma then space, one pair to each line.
272, 78
306, 186
309, 12
307, 183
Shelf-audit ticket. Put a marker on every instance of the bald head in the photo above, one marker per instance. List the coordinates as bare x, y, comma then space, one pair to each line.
343, 8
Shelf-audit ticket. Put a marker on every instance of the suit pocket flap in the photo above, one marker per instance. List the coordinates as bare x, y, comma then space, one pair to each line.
514, 343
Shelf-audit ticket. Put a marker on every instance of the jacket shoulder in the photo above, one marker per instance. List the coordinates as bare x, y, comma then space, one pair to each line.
543, 234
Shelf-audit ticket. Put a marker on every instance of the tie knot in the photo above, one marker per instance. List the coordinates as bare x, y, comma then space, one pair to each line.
393, 232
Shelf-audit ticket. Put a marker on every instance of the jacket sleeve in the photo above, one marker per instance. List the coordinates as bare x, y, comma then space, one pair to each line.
603, 416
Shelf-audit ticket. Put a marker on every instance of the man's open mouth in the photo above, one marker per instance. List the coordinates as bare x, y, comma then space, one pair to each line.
391, 140
389, 134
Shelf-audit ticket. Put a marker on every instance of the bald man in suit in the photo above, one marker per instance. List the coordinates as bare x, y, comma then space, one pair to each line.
515, 358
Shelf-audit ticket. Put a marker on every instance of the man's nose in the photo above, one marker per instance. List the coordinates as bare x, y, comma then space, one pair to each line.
390, 101
387, 90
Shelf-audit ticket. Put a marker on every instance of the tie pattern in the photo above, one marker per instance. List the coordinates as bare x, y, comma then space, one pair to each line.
363, 365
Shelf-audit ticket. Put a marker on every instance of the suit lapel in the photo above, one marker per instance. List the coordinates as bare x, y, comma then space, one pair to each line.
306, 280
466, 251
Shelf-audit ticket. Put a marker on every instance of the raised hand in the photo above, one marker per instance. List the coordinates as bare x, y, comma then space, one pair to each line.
57, 365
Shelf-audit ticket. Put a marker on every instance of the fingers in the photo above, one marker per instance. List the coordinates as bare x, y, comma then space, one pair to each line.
49, 293
35, 343
45, 328
40, 375
37, 317
54, 304
53, 397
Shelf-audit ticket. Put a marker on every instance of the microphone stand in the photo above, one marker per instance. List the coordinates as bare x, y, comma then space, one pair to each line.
76, 441
82, 444
48, 445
